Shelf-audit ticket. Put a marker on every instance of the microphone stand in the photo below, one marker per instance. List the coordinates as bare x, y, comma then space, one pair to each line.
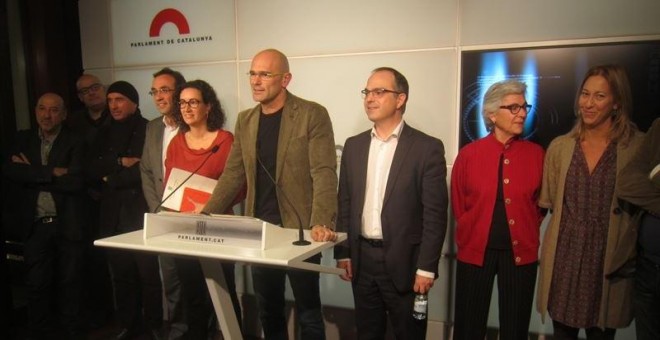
301, 235
301, 238
213, 150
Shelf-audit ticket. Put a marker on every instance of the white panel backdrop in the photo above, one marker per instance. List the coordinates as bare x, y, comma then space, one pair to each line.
344, 26
211, 36
507, 21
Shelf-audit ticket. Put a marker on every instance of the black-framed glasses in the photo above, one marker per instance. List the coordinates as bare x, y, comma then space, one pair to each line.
515, 108
377, 93
162, 90
92, 88
263, 75
193, 103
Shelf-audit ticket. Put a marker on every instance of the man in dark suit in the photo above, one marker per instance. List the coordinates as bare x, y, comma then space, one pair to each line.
95, 114
393, 205
639, 184
160, 132
47, 165
284, 149
97, 297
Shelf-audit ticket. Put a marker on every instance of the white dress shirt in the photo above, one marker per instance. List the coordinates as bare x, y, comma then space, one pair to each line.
168, 133
381, 153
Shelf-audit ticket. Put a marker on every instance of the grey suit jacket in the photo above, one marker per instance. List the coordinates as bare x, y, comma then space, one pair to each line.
151, 163
414, 214
305, 169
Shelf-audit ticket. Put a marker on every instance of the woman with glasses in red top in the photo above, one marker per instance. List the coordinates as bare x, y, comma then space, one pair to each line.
495, 186
202, 146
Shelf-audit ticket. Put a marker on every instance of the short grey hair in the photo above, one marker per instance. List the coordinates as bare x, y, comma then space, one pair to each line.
495, 94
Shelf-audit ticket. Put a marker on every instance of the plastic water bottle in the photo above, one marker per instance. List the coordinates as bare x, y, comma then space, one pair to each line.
420, 306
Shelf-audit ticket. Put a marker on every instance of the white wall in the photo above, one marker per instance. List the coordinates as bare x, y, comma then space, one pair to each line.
333, 45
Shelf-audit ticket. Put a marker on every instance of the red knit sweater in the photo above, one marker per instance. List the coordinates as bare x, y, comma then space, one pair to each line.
473, 192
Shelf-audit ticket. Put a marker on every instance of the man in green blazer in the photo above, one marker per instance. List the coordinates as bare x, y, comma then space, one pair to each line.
284, 149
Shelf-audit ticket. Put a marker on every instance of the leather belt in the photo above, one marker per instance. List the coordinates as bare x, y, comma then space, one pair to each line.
376, 243
46, 220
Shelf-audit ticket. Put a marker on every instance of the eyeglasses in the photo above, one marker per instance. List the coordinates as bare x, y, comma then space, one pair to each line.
263, 75
515, 108
92, 88
162, 90
193, 103
377, 93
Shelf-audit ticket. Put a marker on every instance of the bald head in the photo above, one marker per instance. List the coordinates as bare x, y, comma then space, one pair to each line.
50, 112
277, 58
86, 80
269, 77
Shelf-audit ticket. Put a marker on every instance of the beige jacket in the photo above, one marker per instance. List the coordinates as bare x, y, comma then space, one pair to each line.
616, 302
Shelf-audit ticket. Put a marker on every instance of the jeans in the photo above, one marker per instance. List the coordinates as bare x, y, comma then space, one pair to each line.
269, 284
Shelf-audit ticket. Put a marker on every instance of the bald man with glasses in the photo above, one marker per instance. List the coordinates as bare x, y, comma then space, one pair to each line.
284, 149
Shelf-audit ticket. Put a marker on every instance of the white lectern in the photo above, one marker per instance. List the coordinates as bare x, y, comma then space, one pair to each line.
222, 237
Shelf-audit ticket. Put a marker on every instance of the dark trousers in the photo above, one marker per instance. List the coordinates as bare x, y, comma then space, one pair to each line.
97, 290
647, 299
54, 269
98, 302
6, 300
269, 284
376, 298
172, 289
137, 287
196, 302
564, 332
474, 287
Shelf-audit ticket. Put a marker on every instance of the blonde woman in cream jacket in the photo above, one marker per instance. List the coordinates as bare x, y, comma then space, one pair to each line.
589, 246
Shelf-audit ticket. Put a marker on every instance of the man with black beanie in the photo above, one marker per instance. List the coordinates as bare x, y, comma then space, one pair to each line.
117, 152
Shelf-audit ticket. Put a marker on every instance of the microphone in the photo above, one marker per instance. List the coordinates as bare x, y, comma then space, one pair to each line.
301, 236
213, 150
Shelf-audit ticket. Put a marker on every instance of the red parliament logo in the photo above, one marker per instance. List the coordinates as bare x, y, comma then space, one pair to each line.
169, 15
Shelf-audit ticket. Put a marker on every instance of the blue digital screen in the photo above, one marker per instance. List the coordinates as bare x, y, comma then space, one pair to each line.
553, 75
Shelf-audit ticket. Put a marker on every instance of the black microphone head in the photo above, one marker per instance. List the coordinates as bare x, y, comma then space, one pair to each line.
215, 148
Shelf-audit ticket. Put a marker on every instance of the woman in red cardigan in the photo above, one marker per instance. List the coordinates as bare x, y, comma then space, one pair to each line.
495, 186
200, 144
